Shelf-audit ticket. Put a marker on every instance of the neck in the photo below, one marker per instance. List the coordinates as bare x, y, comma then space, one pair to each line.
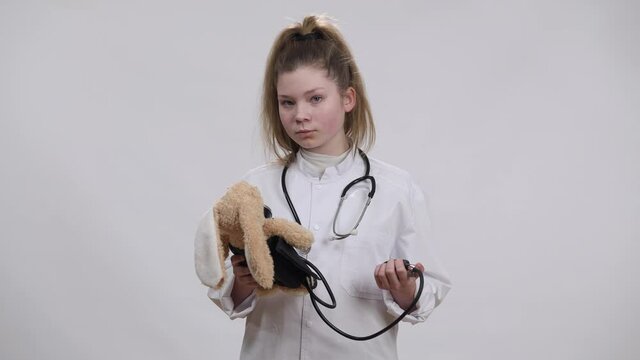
320, 162
336, 146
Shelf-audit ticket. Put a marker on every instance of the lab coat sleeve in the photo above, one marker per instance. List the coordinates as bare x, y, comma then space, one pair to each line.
209, 270
416, 244
222, 297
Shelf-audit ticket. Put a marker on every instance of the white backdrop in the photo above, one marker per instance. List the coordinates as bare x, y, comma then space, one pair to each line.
122, 121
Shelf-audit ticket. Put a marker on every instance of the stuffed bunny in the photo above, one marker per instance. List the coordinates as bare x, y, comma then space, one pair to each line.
238, 220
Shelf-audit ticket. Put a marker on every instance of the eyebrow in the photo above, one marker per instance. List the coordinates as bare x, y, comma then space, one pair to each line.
305, 93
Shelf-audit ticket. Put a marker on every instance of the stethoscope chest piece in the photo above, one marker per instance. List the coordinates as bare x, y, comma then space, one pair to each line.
337, 234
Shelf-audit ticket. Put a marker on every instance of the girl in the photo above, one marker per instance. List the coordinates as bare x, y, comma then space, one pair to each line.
316, 117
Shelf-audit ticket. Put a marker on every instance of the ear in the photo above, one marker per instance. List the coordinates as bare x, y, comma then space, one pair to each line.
349, 99
210, 251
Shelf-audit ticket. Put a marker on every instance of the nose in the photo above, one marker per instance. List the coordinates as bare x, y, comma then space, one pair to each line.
302, 114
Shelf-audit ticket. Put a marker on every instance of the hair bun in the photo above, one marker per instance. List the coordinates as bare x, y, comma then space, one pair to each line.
309, 25
309, 29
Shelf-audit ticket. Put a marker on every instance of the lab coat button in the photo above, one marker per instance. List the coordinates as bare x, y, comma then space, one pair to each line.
316, 227
309, 323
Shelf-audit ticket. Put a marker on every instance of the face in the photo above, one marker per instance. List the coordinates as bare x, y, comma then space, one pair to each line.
312, 110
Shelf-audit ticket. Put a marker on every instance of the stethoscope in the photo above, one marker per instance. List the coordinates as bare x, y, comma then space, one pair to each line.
343, 195
311, 283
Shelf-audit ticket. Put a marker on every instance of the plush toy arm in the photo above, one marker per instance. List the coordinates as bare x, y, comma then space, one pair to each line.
294, 234
209, 267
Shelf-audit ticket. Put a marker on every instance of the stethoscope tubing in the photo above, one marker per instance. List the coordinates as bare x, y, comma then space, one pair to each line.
310, 286
314, 297
343, 195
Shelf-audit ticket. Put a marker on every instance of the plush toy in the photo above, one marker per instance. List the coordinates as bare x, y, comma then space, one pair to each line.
238, 220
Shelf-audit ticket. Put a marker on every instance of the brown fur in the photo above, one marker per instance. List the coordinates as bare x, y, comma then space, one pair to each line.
239, 219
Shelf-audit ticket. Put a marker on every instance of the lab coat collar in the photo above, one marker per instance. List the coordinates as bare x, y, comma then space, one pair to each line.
331, 173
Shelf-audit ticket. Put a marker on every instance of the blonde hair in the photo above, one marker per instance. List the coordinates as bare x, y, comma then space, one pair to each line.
314, 42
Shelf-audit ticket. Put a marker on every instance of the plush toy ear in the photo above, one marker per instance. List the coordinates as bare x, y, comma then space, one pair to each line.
251, 220
209, 261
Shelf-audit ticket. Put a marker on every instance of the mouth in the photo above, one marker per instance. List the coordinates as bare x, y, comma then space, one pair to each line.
303, 132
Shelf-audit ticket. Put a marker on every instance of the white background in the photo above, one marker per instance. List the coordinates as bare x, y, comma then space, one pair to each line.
122, 121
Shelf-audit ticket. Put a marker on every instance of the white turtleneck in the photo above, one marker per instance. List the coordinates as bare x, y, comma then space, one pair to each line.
320, 162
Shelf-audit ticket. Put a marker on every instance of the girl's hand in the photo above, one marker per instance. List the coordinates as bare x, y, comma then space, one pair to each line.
241, 272
393, 276
244, 283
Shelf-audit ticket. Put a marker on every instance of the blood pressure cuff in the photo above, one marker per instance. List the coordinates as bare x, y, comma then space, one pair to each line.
290, 269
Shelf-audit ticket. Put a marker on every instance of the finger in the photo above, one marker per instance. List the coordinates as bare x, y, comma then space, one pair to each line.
237, 260
390, 274
420, 267
382, 277
247, 280
375, 276
245, 277
242, 271
401, 271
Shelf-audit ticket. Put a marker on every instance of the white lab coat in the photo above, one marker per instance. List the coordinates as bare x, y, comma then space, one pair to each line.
283, 326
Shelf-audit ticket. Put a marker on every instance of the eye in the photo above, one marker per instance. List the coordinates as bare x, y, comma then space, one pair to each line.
316, 99
286, 103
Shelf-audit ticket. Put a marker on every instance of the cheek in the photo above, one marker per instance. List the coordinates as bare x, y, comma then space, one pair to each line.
288, 123
333, 119
285, 116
